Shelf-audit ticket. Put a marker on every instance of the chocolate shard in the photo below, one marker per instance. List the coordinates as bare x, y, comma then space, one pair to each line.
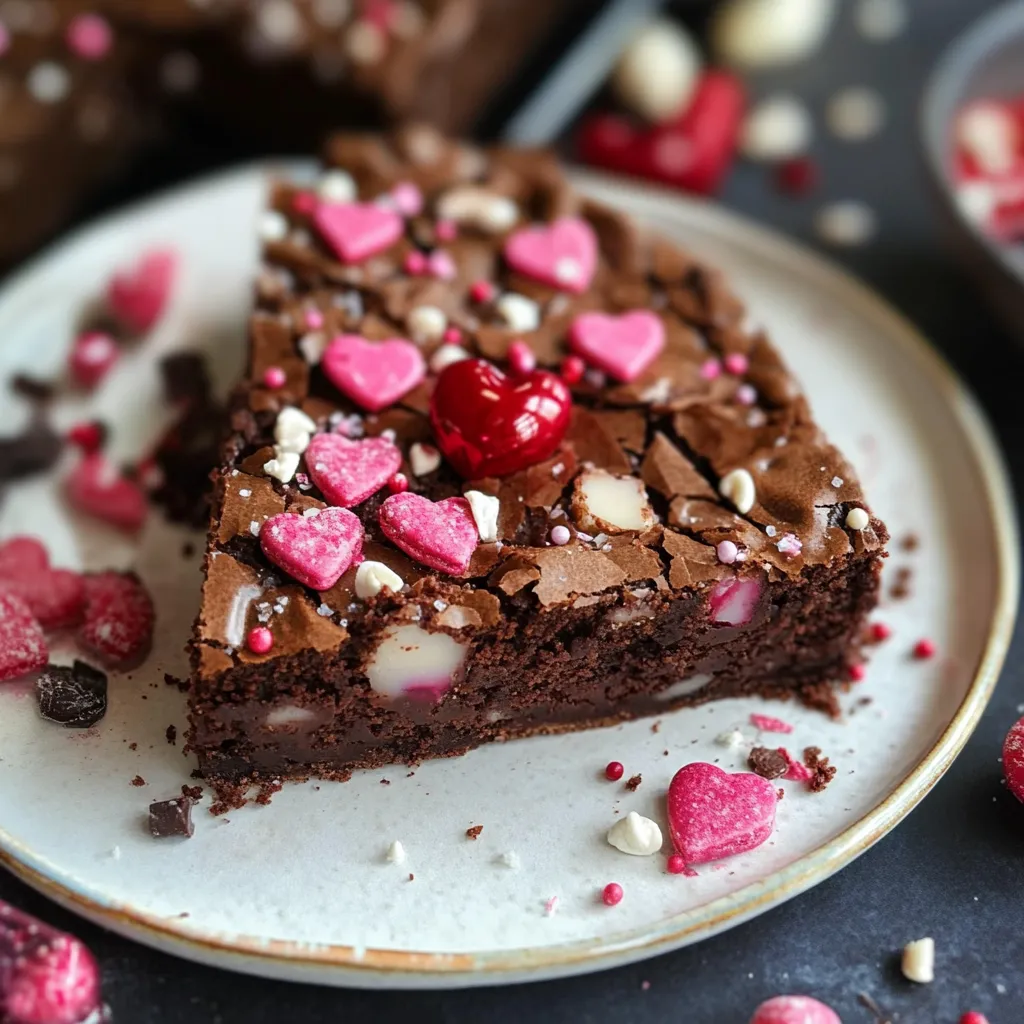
168, 818
75, 696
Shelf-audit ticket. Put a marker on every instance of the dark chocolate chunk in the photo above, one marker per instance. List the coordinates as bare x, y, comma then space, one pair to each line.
32, 388
171, 818
33, 451
75, 696
768, 763
185, 378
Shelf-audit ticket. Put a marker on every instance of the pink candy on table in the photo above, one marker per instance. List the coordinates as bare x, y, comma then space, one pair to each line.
91, 358
22, 643
442, 535
96, 486
138, 295
357, 231
796, 771
794, 1010
89, 36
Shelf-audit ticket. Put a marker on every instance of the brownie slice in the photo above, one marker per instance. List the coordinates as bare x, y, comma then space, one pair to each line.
653, 517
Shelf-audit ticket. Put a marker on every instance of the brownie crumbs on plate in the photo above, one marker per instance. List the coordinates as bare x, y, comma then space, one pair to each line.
169, 818
172, 735
768, 763
911, 542
138, 781
900, 589
633, 783
824, 772
192, 792
472, 833
181, 684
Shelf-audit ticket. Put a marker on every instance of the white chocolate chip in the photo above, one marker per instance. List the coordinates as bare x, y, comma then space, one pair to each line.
478, 208
768, 33
48, 82
635, 835
273, 226
604, 502
737, 486
310, 513
312, 347
778, 128
336, 187
373, 577
485, 509
423, 459
918, 962
445, 356
857, 519
657, 73
365, 43
292, 430
396, 853
731, 738
282, 466
518, 312
426, 323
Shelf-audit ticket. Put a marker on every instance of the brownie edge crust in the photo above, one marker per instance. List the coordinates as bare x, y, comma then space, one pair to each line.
670, 526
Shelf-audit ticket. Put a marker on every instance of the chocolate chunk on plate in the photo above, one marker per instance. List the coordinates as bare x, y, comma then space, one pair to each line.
73, 696
171, 818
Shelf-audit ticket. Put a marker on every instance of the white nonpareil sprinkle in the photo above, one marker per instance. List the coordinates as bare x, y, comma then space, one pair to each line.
778, 128
918, 962
848, 222
445, 356
312, 347
478, 208
857, 519
292, 430
636, 835
336, 187
423, 459
273, 226
518, 312
880, 20
396, 853
510, 859
731, 738
373, 577
426, 323
485, 509
310, 513
254, 527
48, 82
855, 114
283, 466
245, 493
737, 486
837, 481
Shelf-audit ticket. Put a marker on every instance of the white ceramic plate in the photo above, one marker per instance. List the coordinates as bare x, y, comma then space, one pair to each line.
302, 889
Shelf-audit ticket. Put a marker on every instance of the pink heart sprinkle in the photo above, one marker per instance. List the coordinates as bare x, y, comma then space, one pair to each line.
622, 346
138, 295
97, 487
441, 535
796, 771
315, 550
357, 231
373, 374
713, 814
766, 723
734, 601
562, 254
794, 1010
22, 644
348, 472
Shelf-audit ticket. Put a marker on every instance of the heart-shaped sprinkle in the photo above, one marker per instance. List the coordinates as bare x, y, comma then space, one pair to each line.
622, 346
138, 295
315, 550
54, 596
119, 617
348, 472
713, 814
373, 374
562, 254
441, 535
22, 644
357, 231
96, 486
794, 1010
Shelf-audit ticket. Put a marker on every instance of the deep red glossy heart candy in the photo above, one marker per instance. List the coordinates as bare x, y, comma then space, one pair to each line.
488, 424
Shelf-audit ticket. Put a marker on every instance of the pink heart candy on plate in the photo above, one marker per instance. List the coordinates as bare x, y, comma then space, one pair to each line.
138, 295
373, 374
357, 231
315, 550
54, 596
713, 814
22, 644
348, 472
442, 535
794, 1010
97, 487
622, 346
562, 254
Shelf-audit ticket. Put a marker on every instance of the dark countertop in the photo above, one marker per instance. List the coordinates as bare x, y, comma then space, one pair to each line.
951, 870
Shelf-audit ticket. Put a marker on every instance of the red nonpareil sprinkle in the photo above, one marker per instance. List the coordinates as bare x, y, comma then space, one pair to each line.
415, 263
304, 203
768, 724
453, 336
573, 369
611, 894
924, 649
880, 631
482, 291
274, 377
857, 672
973, 1017
260, 640
398, 484
92, 356
614, 771
521, 359
710, 369
88, 436
676, 865
797, 177
736, 363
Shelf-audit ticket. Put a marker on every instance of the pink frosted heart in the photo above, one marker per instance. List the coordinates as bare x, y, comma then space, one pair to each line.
97, 487
315, 550
562, 254
356, 231
348, 472
713, 814
734, 601
622, 346
794, 1010
22, 644
138, 295
373, 374
442, 535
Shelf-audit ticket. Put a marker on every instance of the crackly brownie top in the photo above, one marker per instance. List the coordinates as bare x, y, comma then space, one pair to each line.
437, 321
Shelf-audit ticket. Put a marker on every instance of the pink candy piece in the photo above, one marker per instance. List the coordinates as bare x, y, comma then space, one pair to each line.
46, 976
314, 319
768, 724
22, 645
138, 295
259, 640
713, 814
119, 618
315, 550
736, 363
796, 771
54, 596
442, 535
746, 395
482, 291
710, 369
1013, 759
373, 374
446, 230
611, 895
521, 359
453, 336
733, 602
442, 266
622, 346
97, 487
415, 263
92, 355
794, 1010
304, 203
408, 199
790, 545
727, 552
348, 472
89, 36
562, 254
357, 231
560, 535
274, 377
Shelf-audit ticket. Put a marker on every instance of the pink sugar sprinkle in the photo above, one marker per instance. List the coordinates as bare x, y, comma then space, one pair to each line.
768, 724
572, 369
746, 395
521, 359
408, 199
89, 36
560, 535
442, 266
453, 336
446, 230
314, 319
727, 552
260, 640
790, 545
550, 905
796, 771
415, 263
711, 369
482, 291
924, 649
737, 364
274, 377
612, 894
398, 484
676, 865
880, 631
857, 673
304, 203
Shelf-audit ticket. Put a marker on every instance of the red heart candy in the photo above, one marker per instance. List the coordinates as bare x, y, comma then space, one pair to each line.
356, 231
54, 596
316, 550
562, 254
794, 1010
348, 472
373, 374
712, 814
119, 618
22, 644
442, 535
95, 486
622, 346
138, 295
488, 424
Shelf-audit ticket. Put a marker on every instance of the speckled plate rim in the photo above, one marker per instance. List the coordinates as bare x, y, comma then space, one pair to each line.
380, 968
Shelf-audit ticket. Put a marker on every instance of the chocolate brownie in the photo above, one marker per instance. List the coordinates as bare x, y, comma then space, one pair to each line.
503, 463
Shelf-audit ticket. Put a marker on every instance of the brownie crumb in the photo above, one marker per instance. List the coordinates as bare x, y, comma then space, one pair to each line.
901, 585
911, 542
656, 727
780, 792
472, 833
267, 791
188, 549
172, 735
633, 783
385, 782
138, 781
412, 877
824, 773
181, 684
171, 818
768, 763
192, 792
32, 388
133, 746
